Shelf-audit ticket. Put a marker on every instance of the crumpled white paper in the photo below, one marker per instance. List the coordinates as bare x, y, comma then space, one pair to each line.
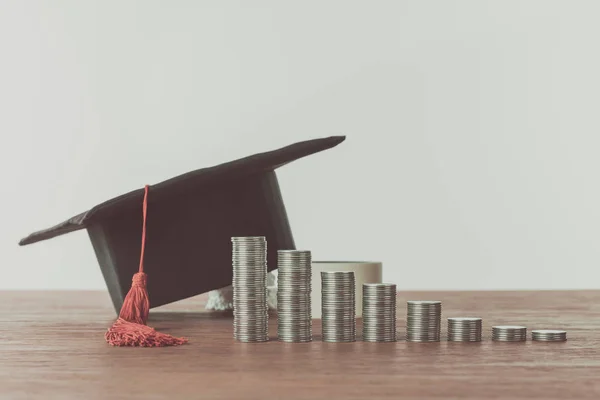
222, 299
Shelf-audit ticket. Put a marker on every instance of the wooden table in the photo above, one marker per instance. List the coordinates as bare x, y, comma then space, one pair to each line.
52, 347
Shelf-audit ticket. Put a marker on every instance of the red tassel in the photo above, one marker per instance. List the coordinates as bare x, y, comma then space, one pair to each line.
130, 328
136, 305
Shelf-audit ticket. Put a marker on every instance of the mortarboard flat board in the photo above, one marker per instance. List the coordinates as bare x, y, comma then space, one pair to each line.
191, 219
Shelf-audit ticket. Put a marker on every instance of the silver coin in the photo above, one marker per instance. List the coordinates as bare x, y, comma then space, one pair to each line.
549, 335
294, 323
338, 306
250, 308
465, 329
379, 312
509, 333
423, 320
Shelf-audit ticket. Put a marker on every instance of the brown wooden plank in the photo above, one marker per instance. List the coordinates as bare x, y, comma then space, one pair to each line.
52, 347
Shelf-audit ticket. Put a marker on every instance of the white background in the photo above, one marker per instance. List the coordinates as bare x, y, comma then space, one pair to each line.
472, 151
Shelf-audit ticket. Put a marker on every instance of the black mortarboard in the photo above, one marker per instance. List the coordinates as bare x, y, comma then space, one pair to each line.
191, 219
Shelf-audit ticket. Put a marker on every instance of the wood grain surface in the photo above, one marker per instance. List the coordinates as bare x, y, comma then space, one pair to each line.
52, 347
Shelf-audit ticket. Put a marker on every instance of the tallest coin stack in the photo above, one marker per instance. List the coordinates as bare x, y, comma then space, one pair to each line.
250, 307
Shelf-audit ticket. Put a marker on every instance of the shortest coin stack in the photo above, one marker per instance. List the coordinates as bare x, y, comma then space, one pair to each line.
465, 329
509, 333
379, 312
549, 336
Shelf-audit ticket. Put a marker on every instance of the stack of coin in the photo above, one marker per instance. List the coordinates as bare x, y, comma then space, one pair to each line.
424, 320
338, 308
379, 312
250, 309
465, 329
509, 333
294, 322
549, 335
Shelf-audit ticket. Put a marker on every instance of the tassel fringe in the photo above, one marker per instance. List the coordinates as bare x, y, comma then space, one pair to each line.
125, 333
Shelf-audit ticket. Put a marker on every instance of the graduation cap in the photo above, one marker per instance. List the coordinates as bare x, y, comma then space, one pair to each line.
192, 218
